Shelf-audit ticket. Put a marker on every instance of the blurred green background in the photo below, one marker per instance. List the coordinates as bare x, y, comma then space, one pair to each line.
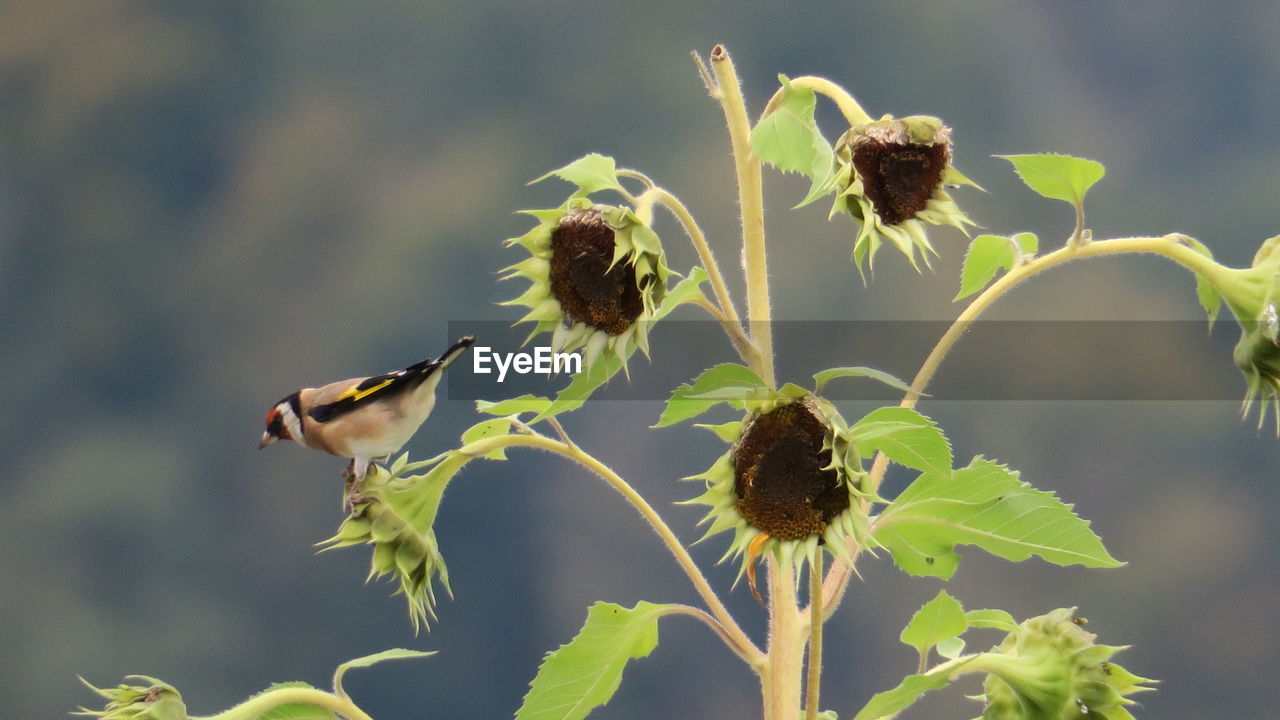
206, 205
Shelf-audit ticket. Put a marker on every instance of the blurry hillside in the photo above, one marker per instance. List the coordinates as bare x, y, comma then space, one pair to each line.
206, 205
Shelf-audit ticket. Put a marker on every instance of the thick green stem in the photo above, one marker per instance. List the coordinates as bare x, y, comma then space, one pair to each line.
1169, 246
257, 705
732, 633
781, 683
751, 201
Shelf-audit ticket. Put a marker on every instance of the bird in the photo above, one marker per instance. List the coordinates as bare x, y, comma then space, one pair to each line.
365, 419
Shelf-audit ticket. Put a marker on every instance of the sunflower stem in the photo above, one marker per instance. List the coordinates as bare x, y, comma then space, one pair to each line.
733, 634
728, 91
1171, 246
786, 643
262, 703
852, 111
723, 300
815, 617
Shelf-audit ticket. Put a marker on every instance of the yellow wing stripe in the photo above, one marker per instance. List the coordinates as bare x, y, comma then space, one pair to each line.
354, 392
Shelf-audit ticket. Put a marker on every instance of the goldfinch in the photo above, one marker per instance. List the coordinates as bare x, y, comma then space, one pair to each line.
364, 419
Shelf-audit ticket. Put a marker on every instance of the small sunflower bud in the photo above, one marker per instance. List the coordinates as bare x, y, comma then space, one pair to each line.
153, 701
893, 174
1253, 295
598, 275
1049, 668
400, 548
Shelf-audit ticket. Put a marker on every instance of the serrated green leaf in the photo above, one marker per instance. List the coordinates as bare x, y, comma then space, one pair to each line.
591, 173
1206, 293
906, 437
370, 660
686, 291
891, 702
584, 674
1059, 177
821, 379
514, 406
789, 139
987, 254
996, 619
722, 383
984, 504
487, 429
942, 618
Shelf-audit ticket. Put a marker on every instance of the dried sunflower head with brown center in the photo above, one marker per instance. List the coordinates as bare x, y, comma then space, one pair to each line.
597, 276
789, 484
892, 178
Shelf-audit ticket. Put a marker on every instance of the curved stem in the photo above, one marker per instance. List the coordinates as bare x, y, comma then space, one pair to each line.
708, 258
1170, 246
852, 111
741, 342
812, 689
737, 639
751, 200
255, 706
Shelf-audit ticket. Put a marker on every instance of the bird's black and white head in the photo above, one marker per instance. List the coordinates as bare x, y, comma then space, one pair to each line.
283, 421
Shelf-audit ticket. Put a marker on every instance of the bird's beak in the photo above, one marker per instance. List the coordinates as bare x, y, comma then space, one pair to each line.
267, 439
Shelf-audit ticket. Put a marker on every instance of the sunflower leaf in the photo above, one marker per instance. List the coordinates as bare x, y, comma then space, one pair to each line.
591, 173
686, 291
514, 406
892, 702
584, 674
906, 437
821, 379
727, 382
789, 139
988, 254
487, 429
996, 619
984, 504
1058, 177
576, 393
942, 618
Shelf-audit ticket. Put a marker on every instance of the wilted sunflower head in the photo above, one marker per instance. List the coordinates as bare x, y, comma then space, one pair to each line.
892, 176
1049, 668
598, 275
155, 700
789, 484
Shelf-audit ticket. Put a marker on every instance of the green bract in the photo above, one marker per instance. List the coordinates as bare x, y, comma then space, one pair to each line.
891, 177
153, 701
597, 275
395, 516
791, 482
1049, 668
1253, 299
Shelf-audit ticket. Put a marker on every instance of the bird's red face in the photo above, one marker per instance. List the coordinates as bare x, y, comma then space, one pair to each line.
282, 422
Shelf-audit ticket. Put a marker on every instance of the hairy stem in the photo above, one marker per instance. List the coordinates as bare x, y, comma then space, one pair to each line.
728, 91
1170, 246
786, 644
852, 111
733, 634
812, 687
257, 705
708, 258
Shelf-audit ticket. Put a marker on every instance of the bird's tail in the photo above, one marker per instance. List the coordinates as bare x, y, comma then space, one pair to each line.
426, 367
